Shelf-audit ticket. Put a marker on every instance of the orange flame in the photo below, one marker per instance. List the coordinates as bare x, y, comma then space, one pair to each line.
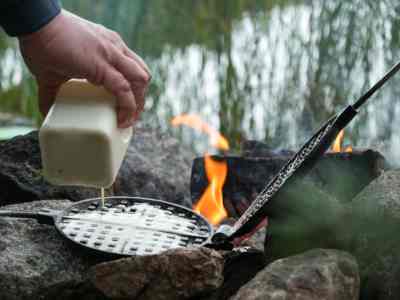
348, 149
338, 144
194, 121
211, 203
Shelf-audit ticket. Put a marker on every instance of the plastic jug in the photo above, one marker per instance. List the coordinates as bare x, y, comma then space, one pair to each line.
79, 139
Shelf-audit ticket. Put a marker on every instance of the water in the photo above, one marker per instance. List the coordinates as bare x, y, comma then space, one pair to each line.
266, 70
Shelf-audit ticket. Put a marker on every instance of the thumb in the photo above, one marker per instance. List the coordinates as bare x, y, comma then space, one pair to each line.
47, 95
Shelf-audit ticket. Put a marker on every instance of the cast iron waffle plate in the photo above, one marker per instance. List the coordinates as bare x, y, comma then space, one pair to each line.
133, 226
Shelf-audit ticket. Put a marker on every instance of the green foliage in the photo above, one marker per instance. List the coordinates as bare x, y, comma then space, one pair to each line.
18, 98
22, 99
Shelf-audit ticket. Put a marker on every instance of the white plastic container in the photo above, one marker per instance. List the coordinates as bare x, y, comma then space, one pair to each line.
79, 139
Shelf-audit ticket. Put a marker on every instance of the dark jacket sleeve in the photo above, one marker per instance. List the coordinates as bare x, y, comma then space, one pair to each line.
21, 17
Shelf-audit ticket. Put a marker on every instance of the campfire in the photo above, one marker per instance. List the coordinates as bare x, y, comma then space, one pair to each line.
211, 203
324, 236
337, 145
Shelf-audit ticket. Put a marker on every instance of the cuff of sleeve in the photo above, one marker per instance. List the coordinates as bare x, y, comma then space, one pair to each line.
27, 16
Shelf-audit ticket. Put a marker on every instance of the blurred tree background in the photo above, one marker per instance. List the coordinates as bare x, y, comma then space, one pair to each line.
267, 70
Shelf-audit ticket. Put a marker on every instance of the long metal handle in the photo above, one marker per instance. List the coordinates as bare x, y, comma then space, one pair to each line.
44, 216
376, 86
302, 161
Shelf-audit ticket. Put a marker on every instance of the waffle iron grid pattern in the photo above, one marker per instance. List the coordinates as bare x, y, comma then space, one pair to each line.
128, 227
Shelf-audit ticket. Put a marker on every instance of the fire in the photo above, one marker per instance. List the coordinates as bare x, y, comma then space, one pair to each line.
338, 144
211, 203
194, 121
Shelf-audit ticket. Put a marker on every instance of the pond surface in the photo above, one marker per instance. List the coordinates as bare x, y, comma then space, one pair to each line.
266, 70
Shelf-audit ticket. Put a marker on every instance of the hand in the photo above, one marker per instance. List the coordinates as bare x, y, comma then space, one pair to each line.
71, 47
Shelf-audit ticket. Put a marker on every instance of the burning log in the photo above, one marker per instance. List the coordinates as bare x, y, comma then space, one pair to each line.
342, 175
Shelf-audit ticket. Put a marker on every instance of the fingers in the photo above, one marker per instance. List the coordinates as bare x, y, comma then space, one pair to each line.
47, 95
128, 70
135, 75
118, 42
116, 84
128, 52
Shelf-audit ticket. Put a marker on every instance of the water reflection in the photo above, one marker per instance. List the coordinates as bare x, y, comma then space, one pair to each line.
272, 71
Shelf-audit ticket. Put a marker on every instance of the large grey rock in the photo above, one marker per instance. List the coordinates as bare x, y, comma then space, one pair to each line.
314, 275
34, 257
302, 217
376, 239
381, 198
155, 166
175, 274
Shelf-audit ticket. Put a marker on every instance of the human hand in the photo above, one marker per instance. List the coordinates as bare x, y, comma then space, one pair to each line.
71, 47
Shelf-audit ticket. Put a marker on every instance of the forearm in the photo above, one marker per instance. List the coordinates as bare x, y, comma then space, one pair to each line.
21, 17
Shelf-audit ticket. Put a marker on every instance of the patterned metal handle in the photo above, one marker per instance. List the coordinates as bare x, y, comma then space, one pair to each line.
279, 180
303, 160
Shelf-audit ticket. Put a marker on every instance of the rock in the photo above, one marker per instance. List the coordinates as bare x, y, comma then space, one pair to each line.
73, 290
34, 257
155, 166
302, 217
240, 266
376, 242
367, 228
175, 274
381, 198
316, 274
257, 240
